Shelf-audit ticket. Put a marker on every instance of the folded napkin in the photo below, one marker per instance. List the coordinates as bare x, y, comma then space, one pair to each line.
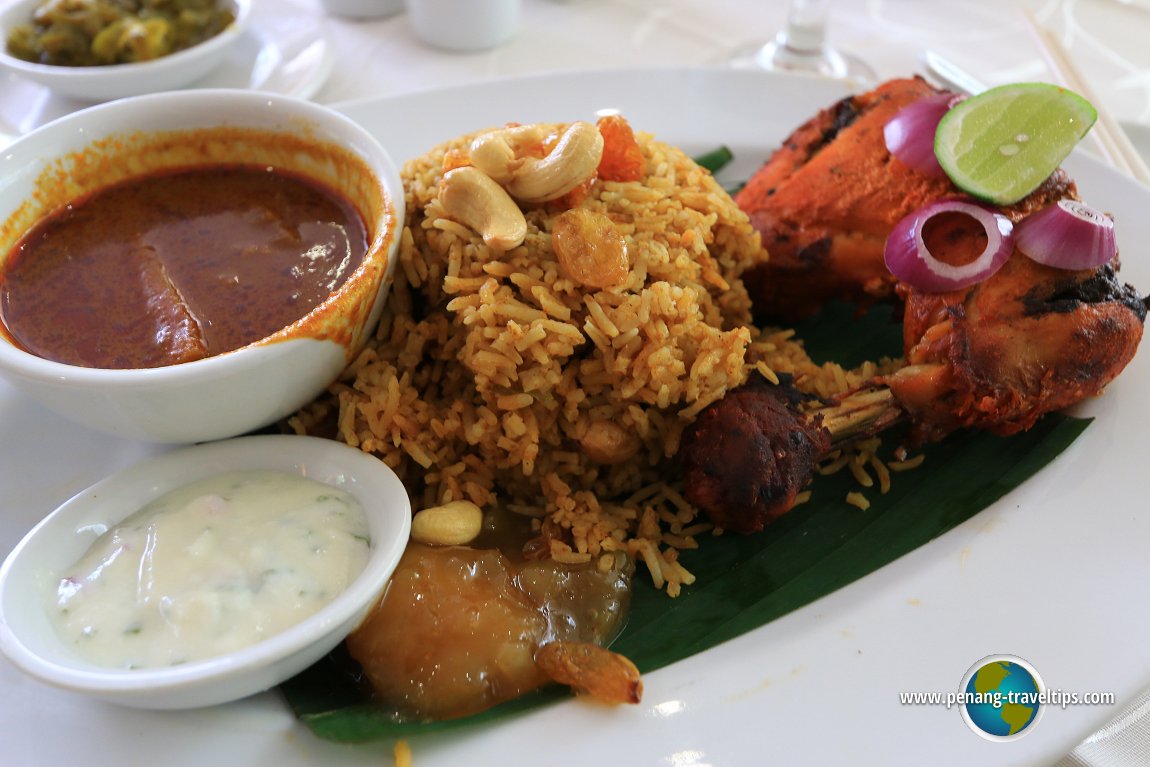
1124, 741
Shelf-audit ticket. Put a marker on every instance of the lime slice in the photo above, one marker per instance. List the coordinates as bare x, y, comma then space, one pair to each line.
1001, 144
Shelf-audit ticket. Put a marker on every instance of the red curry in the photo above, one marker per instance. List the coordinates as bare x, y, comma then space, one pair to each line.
178, 266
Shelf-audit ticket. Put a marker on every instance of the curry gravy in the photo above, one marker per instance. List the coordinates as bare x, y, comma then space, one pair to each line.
177, 266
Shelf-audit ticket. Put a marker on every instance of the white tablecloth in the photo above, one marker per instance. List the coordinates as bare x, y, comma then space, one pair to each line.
988, 38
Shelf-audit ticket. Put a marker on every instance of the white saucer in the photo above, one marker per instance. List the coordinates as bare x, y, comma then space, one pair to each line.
286, 50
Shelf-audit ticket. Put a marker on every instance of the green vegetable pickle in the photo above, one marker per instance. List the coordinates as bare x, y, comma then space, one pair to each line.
82, 33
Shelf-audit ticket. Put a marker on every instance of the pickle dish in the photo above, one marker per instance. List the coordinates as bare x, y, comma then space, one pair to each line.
114, 81
30, 575
199, 396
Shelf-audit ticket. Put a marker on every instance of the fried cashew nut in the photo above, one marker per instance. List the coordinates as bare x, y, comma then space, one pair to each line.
453, 524
499, 153
573, 160
609, 443
472, 198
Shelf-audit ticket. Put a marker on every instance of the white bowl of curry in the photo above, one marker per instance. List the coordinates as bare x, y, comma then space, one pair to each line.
189, 266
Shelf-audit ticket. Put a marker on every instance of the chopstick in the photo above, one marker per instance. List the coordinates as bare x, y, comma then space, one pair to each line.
1112, 141
950, 75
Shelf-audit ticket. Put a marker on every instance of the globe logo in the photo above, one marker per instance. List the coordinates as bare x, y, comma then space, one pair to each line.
1002, 697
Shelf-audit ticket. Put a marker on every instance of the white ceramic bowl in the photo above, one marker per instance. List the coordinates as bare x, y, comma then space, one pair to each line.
363, 9
116, 81
475, 25
28, 576
238, 391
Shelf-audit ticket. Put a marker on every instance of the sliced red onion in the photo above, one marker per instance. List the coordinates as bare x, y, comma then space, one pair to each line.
1068, 235
909, 259
909, 135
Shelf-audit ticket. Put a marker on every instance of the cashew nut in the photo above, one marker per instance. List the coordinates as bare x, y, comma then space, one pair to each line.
452, 524
608, 442
472, 198
573, 160
496, 152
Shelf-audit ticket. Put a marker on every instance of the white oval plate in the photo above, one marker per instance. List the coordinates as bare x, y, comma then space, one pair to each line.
1055, 572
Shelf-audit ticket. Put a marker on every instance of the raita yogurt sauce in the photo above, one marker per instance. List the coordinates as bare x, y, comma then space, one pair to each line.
211, 567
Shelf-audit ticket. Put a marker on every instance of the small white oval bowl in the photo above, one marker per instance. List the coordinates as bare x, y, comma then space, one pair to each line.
115, 81
476, 25
238, 391
363, 9
28, 576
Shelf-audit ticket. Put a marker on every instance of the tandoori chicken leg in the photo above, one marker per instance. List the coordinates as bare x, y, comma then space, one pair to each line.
996, 355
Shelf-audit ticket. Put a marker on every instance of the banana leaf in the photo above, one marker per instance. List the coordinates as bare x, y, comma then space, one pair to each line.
744, 582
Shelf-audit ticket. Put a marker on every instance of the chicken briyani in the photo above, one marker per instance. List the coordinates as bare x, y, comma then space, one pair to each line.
499, 377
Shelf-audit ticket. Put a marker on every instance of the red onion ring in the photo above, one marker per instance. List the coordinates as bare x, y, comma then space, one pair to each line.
909, 135
908, 258
1068, 235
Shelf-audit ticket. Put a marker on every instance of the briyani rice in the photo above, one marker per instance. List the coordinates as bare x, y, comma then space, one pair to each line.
493, 378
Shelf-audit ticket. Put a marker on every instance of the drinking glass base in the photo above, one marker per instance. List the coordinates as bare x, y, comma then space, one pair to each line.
823, 62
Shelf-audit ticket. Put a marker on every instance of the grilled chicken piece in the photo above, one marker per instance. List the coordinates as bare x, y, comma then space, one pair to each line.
827, 198
1027, 341
997, 355
746, 457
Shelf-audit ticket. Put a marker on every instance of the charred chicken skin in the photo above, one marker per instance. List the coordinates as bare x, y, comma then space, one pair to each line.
1000, 354
747, 457
826, 200
996, 356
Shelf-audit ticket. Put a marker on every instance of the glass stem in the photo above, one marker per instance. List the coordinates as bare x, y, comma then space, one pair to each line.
802, 47
806, 29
